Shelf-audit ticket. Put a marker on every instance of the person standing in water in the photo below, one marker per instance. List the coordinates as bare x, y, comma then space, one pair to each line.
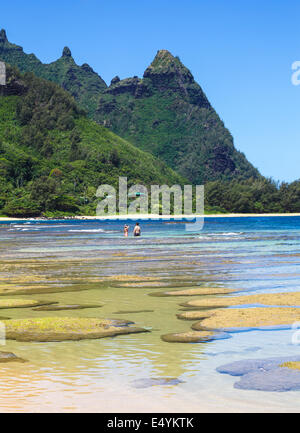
126, 227
137, 230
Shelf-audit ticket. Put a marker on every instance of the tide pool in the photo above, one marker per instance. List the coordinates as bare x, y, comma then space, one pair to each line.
90, 262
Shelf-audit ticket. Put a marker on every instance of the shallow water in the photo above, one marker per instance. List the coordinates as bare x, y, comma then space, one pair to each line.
253, 255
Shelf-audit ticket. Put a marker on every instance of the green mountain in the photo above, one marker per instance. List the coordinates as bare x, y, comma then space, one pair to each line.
166, 112
81, 81
53, 158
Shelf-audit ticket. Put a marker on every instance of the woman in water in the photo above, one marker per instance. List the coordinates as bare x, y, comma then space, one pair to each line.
126, 227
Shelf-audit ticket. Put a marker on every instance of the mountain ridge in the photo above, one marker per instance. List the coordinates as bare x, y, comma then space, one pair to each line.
165, 112
81, 81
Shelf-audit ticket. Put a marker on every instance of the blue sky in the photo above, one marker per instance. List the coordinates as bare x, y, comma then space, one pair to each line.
240, 52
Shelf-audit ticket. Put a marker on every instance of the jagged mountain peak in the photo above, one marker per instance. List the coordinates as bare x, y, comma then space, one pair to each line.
165, 63
168, 114
66, 52
163, 57
81, 81
3, 36
115, 80
87, 68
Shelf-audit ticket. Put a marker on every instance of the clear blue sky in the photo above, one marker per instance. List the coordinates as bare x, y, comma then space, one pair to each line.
240, 52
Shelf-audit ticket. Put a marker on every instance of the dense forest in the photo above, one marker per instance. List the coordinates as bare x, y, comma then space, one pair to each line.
53, 158
252, 196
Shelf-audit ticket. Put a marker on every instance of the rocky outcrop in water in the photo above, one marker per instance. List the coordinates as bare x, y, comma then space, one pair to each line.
264, 374
10, 357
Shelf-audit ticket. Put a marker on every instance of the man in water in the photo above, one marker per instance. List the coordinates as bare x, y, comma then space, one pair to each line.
137, 230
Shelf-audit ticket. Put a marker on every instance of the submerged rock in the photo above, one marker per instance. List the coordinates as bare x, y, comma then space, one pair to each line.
161, 381
22, 303
265, 374
277, 380
194, 292
36, 290
66, 328
193, 337
195, 315
10, 357
65, 307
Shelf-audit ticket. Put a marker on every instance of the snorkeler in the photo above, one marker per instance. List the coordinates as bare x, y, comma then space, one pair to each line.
137, 230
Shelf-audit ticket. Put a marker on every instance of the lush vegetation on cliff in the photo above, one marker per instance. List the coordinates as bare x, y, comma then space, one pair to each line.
52, 157
168, 114
81, 82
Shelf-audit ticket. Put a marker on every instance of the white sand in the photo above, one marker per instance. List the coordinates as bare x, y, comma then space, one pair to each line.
158, 217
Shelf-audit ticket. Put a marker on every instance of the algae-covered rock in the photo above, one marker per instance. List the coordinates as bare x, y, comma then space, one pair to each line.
294, 365
194, 292
66, 307
195, 315
10, 357
243, 318
11, 290
66, 328
21, 303
282, 299
189, 337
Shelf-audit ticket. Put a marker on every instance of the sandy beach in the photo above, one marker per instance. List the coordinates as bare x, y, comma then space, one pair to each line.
156, 217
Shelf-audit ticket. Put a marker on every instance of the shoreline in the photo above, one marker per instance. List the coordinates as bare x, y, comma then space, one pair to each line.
152, 217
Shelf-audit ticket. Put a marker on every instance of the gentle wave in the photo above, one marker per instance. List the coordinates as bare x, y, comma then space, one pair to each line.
223, 236
42, 226
94, 231
226, 234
